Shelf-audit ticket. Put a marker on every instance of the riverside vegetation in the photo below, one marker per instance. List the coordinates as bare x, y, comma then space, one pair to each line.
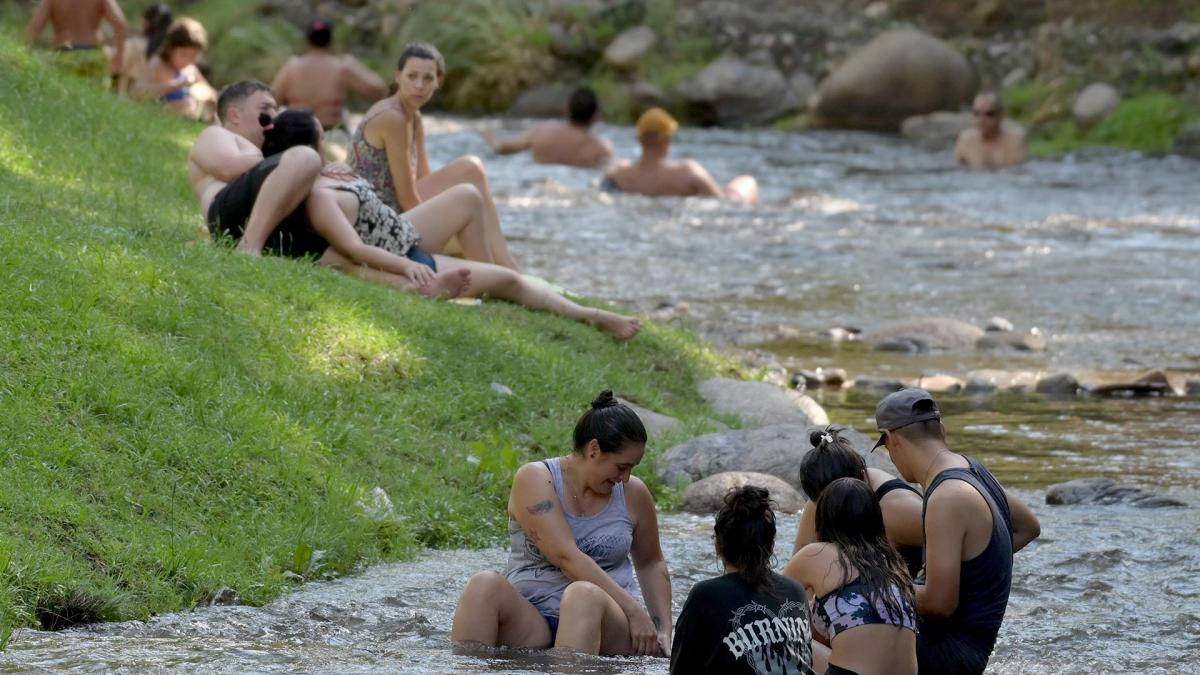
177, 418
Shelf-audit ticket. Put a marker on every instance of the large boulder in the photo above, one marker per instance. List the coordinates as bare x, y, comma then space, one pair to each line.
1187, 143
775, 450
897, 75
543, 100
630, 46
708, 495
1105, 491
760, 403
940, 129
656, 424
923, 335
1094, 103
731, 92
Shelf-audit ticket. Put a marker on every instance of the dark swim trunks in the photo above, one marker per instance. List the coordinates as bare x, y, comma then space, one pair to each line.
230, 209
552, 622
418, 254
838, 670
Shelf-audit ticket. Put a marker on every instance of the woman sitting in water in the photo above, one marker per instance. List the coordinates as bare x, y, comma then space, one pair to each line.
172, 75
575, 523
388, 150
831, 458
751, 620
370, 240
865, 608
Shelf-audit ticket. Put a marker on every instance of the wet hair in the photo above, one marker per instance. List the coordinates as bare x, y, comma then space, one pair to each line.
159, 19
849, 516
236, 93
290, 128
831, 458
422, 50
745, 533
319, 33
928, 430
611, 423
582, 106
184, 32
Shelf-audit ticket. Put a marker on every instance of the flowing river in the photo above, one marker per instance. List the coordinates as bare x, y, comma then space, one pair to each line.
1098, 251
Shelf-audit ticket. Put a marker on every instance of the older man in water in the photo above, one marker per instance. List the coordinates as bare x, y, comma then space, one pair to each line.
571, 142
655, 175
990, 145
77, 34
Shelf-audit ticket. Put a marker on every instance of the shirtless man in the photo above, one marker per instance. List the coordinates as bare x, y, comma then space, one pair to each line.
571, 143
320, 79
657, 176
77, 32
990, 145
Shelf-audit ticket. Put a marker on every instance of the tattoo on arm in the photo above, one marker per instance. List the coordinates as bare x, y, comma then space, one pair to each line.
544, 506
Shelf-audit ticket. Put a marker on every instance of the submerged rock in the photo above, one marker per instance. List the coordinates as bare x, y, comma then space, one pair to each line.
760, 404
708, 495
1105, 491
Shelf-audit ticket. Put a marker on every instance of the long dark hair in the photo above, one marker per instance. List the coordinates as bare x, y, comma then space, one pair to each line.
158, 18
290, 128
745, 533
848, 515
831, 458
611, 423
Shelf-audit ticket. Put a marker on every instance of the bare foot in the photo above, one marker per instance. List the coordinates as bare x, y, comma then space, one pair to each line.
620, 327
449, 284
245, 249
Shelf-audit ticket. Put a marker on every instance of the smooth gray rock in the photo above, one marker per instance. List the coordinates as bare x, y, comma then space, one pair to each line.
543, 100
760, 404
501, 389
1155, 383
1105, 492
731, 92
879, 385
921, 335
1094, 103
941, 384
708, 494
1022, 342
630, 46
989, 380
999, 324
656, 424
1058, 384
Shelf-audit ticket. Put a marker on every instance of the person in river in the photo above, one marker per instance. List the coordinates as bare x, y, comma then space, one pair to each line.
139, 49
388, 148
173, 77
750, 620
833, 457
972, 528
580, 526
77, 34
989, 145
571, 142
865, 607
346, 211
657, 176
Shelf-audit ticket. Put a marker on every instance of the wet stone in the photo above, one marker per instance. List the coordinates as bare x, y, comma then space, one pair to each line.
222, 597
1059, 384
1106, 492
708, 495
760, 403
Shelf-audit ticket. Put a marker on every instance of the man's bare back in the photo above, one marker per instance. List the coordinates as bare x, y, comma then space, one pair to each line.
320, 81
679, 178
76, 22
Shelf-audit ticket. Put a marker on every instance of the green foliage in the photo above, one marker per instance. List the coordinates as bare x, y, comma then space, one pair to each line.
177, 418
1148, 122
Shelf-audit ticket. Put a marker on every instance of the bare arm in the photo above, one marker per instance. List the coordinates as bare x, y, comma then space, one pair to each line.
422, 156
945, 524
1026, 526
509, 146
397, 142
218, 154
116, 19
703, 184
649, 562
362, 80
807, 532
902, 518
162, 80
37, 23
330, 222
282, 82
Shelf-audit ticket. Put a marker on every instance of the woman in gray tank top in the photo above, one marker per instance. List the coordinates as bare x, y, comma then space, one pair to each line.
580, 526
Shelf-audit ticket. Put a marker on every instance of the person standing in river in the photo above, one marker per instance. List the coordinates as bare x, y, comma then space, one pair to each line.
972, 528
989, 145
580, 526
571, 142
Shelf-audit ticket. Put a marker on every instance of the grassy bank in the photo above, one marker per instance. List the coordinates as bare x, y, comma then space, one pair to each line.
175, 418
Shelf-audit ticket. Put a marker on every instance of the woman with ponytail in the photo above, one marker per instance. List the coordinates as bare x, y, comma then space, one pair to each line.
751, 620
865, 609
580, 526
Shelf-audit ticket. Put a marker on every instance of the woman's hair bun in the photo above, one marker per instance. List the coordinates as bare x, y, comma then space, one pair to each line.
749, 500
604, 400
827, 436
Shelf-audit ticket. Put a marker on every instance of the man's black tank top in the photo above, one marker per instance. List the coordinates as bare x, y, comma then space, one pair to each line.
914, 556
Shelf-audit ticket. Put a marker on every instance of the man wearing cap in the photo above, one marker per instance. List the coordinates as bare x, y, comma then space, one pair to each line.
655, 175
992, 143
570, 142
972, 528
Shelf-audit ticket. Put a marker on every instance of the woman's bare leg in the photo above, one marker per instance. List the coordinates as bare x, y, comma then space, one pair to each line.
470, 170
446, 283
590, 621
504, 283
492, 612
455, 212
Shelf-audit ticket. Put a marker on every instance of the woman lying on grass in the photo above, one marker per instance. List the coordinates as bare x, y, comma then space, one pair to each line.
368, 239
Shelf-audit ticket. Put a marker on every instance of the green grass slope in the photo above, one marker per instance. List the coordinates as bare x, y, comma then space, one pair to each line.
175, 418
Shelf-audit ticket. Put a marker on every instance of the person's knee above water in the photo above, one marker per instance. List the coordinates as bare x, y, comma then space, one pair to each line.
76, 26
833, 457
864, 607
580, 527
655, 175
751, 620
571, 142
992, 143
172, 75
972, 528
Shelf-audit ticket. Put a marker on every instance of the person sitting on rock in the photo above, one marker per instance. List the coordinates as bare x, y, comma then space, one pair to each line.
989, 145
571, 143
580, 526
750, 620
655, 175
76, 34
833, 457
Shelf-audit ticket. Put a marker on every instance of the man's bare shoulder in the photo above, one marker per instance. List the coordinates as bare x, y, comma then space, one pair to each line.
969, 136
955, 498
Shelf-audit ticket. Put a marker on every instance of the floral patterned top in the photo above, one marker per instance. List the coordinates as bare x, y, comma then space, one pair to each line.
371, 163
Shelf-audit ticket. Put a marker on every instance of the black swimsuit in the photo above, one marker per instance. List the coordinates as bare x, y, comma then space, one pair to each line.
914, 556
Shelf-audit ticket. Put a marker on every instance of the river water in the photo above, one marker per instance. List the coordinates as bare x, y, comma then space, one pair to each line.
1098, 251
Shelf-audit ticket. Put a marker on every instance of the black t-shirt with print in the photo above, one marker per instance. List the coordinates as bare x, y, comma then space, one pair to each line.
728, 627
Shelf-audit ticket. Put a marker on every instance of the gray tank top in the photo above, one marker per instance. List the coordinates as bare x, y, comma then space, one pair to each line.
605, 537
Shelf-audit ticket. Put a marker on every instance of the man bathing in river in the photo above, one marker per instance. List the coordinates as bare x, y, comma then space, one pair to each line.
989, 145
571, 142
77, 31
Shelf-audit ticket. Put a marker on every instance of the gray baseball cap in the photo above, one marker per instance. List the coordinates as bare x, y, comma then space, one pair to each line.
902, 408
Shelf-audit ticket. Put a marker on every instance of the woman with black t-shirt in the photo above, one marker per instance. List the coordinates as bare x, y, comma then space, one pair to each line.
751, 620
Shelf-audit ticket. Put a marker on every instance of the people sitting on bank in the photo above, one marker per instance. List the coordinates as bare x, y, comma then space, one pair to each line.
173, 77
139, 49
749, 620
833, 457
77, 34
991, 144
655, 175
972, 528
369, 239
322, 81
571, 142
865, 607
388, 149
580, 527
